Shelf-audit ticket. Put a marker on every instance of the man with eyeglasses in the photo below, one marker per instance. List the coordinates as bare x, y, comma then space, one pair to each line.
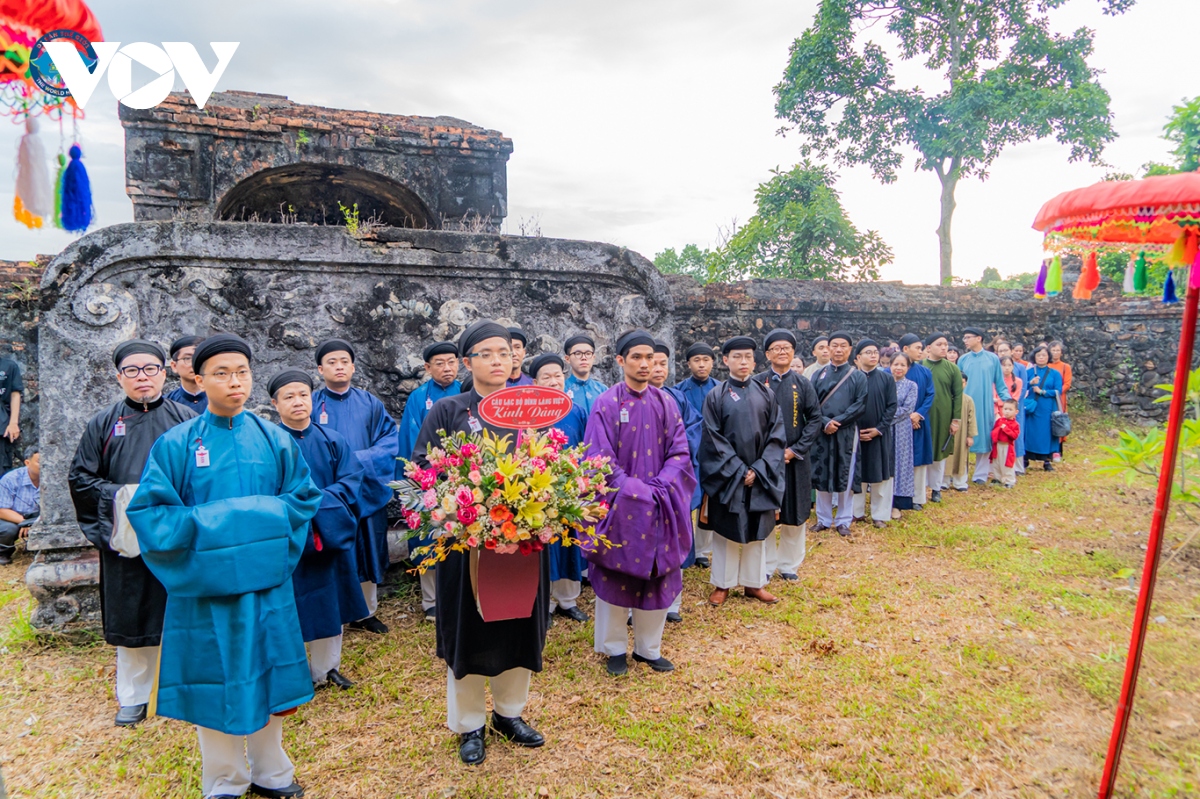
801, 413
111, 454
875, 464
842, 393
222, 516
580, 386
441, 365
363, 421
742, 472
506, 653
187, 392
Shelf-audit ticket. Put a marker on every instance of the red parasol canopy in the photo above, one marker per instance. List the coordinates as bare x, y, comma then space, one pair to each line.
1150, 211
44, 16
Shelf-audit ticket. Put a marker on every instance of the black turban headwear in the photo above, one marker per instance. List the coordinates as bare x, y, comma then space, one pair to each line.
579, 338
479, 331
908, 339
843, 335
289, 376
334, 345
137, 346
215, 345
184, 341
738, 343
517, 334
545, 360
932, 337
699, 348
974, 331
439, 348
634, 338
779, 334
819, 339
863, 344
661, 346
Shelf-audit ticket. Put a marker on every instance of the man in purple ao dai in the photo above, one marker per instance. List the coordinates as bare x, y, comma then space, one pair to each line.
640, 429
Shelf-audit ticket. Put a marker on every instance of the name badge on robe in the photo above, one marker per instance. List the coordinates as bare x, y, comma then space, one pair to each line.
201, 456
119, 428
735, 396
571, 393
474, 424
429, 403
624, 416
323, 418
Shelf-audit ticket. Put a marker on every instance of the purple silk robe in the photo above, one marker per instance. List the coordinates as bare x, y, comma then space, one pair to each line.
650, 504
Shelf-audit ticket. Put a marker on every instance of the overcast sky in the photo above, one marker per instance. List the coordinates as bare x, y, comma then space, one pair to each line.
646, 123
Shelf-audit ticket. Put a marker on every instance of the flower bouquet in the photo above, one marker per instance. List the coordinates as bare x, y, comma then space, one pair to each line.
480, 491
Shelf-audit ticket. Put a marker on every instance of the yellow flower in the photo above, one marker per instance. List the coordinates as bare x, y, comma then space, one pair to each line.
512, 492
475, 529
508, 467
532, 513
448, 504
539, 482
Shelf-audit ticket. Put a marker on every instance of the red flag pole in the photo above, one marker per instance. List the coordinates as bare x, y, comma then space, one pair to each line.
1166, 479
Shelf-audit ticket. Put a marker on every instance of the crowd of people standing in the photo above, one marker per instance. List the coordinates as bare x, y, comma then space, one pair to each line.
233, 632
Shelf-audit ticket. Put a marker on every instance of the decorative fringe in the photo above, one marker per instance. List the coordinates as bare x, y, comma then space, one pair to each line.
76, 194
1140, 276
58, 180
1130, 269
1089, 278
1054, 277
1039, 288
1169, 288
35, 195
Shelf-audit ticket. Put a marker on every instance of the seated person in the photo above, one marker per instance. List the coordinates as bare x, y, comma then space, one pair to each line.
18, 503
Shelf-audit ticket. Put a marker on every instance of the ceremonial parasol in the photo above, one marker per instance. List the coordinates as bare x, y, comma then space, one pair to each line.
1157, 212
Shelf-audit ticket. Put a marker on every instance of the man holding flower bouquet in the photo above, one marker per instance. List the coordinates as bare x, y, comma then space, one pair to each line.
504, 652
640, 429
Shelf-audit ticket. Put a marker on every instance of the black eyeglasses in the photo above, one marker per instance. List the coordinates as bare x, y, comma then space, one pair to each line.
149, 370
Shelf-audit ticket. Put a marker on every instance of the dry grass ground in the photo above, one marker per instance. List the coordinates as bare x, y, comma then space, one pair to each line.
974, 649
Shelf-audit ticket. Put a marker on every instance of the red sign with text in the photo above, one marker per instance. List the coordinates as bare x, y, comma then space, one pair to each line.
521, 407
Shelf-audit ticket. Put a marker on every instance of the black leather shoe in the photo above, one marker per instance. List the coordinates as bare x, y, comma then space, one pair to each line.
292, 790
789, 577
574, 614
703, 563
674, 618
335, 677
517, 731
918, 508
936, 496
844, 531
431, 614
660, 664
128, 716
369, 624
617, 665
5, 560
471, 749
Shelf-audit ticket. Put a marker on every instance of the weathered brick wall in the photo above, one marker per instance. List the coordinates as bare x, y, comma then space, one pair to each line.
18, 332
1119, 347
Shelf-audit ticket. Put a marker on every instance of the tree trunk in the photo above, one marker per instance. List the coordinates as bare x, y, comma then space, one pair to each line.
949, 182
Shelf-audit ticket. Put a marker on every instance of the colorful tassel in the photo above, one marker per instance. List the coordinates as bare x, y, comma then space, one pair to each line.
77, 209
1169, 288
1054, 281
1140, 274
1130, 269
1039, 288
1194, 269
1089, 278
58, 179
1175, 255
34, 196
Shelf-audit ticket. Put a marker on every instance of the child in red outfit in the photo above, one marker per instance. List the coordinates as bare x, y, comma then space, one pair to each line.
1004, 453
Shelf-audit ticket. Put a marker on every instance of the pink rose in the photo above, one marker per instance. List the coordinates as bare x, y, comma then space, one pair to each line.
475, 477
473, 541
438, 515
412, 519
429, 498
464, 496
425, 478
557, 437
469, 450
467, 514
538, 465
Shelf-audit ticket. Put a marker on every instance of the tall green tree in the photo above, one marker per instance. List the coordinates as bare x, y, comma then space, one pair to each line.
1182, 130
691, 260
800, 230
1005, 78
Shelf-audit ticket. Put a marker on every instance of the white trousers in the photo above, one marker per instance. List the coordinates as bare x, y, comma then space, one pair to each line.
919, 474
324, 655
738, 564
564, 593
787, 553
371, 595
881, 500
428, 589
827, 500
224, 769
677, 605
136, 669
466, 705
703, 538
612, 637
1007, 475
937, 475
983, 466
